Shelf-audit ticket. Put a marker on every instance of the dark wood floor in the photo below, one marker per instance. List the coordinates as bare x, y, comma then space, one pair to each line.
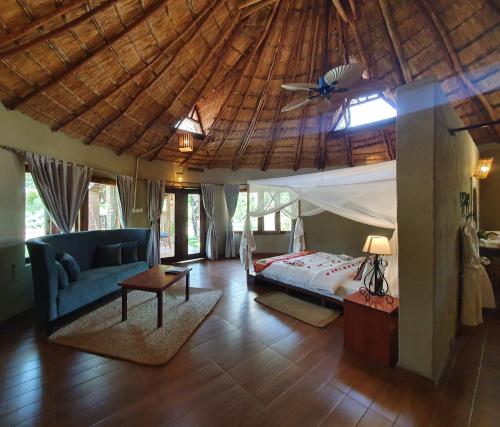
245, 366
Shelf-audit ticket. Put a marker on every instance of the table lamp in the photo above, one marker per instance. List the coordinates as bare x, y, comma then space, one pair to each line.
374, 282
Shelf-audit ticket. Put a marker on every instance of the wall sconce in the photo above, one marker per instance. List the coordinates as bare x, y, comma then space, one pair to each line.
483, 168
185, 142
179, 176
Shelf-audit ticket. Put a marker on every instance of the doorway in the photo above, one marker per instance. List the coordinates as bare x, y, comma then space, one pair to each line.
182, 225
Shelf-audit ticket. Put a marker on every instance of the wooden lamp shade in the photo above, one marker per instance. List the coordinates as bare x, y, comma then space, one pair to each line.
185, 142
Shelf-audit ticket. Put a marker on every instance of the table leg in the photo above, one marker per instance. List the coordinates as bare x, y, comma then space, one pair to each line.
187, 286
160, 309
124, 304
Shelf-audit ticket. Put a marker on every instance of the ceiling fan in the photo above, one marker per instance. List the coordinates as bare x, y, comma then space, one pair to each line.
342, 82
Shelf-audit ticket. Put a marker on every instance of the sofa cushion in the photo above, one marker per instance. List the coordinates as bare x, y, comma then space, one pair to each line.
62, 276
129, 252
70, 265
94, 284
108, 255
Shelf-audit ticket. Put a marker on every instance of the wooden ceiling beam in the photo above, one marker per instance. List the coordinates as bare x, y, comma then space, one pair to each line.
54, 33
78, 64
326, 65
394, 36
257, 49
431, 15
230, 32
256, 115
256, 7
157, 76
303, 115
347, 135
151, 66
279, 117
344, 14
38, 22
209, 137
247, 3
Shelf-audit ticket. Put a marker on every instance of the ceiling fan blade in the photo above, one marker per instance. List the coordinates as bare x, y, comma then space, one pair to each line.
293, 105
299, 86
344, 75
365, 87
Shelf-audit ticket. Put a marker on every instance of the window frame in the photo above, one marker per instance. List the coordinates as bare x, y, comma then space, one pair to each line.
359, 128
260, 223
82, 222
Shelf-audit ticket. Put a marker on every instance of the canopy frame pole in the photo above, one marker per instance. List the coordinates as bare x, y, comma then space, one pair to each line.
248, 215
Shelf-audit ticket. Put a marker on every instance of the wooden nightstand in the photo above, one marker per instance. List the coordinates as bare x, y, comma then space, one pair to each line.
371, 327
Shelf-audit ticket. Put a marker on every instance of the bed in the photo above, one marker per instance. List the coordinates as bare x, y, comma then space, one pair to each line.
325, 276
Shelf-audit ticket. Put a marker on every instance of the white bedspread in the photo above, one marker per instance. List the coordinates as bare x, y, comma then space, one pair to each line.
321, 270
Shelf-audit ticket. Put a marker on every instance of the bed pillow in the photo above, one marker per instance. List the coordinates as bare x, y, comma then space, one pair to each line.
129, 252
70, 266
108, 255
62, 276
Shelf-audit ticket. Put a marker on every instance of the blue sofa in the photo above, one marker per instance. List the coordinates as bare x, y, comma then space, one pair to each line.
51, 303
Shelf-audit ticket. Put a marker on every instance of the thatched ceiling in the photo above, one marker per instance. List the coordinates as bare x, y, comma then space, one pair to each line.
120, 73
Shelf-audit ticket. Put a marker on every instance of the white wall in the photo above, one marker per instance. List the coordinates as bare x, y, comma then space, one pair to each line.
433, 168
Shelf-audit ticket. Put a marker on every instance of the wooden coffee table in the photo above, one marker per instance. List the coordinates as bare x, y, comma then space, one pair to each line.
153, 280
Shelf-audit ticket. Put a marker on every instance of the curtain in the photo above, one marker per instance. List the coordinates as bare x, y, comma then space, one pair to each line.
299, 239
247, 245
125, 186
208, 197
62, 188
156, 193
231, 193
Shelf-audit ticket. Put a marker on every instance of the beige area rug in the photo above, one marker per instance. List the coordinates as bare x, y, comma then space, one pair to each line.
299, 309
138, 339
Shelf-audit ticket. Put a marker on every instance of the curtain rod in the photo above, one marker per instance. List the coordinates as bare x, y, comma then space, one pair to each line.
179, 184
21, 152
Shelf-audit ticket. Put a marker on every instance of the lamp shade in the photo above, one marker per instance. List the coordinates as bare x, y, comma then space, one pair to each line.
185, 142
483, 168
377, 245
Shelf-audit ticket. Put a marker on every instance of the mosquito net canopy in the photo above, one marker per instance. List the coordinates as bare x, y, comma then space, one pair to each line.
366, 194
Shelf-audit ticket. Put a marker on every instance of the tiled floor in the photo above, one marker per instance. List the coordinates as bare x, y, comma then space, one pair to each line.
245, 366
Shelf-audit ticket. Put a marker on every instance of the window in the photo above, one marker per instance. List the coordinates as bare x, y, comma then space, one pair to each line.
37, 222
241, 212
36, 218
366, 110
276, 222
102, 208
191, 123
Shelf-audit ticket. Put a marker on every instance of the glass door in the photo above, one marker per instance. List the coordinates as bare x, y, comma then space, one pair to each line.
167, 227
182, 226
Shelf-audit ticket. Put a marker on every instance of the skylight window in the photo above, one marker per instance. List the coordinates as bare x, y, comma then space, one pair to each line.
191, 123
367, 110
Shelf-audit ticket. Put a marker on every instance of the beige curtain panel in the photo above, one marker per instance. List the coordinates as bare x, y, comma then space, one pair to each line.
156, 193
208, 198
125, 186
62, 187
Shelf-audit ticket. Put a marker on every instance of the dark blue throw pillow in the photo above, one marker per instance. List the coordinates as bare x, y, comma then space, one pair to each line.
129, 252
62, 276
70, 265
108, 255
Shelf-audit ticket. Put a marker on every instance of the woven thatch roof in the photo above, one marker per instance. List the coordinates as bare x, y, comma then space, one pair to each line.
120, 73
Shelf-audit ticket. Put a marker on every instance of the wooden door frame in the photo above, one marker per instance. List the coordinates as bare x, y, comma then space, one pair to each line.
181, 236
